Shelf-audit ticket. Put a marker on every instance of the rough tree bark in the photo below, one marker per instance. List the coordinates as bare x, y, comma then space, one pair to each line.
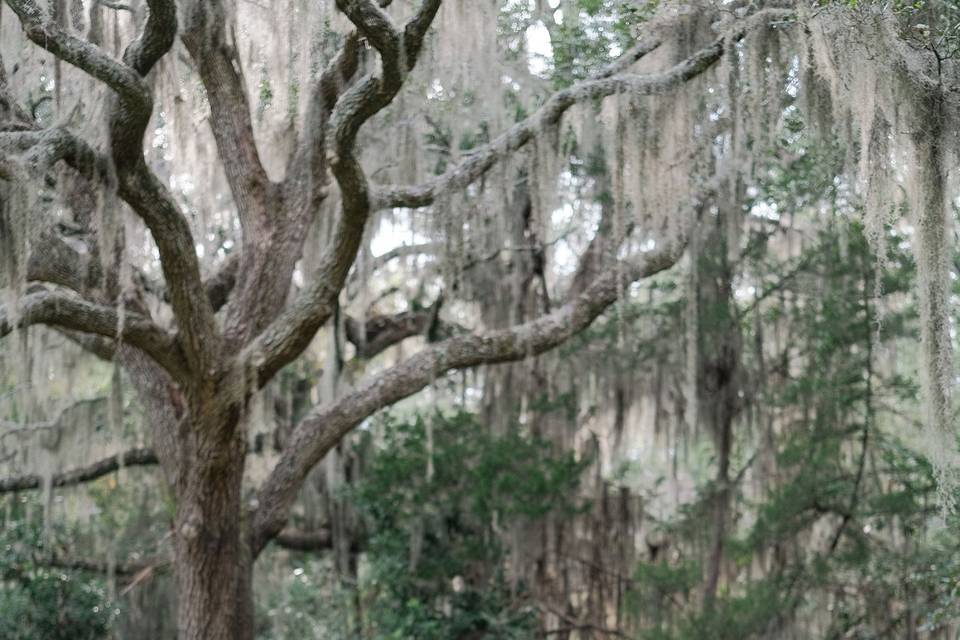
197, 375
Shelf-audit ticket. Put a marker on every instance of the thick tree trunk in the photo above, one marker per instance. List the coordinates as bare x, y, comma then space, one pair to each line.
213, 559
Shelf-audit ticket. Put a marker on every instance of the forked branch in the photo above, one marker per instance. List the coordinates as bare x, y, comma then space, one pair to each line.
293, 330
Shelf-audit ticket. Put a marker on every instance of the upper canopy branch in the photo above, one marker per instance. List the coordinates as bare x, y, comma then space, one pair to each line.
307, 167
157, 37
607, 81
324, 427
290, 334
375, 25
217, 62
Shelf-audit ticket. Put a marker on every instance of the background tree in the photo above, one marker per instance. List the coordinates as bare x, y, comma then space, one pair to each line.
205, 280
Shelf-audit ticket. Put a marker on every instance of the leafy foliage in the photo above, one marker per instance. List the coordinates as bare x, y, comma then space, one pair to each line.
436, 497
40, 601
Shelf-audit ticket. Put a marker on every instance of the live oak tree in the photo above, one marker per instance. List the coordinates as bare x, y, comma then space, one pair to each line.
687, 104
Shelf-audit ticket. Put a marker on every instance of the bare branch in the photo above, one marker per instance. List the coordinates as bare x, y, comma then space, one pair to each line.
74, 313
324, 427
379, 262
129, 458
405, 250
128, 570
137, 457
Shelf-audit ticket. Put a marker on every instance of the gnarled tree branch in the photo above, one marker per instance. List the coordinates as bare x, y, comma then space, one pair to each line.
199, 333
45, 32
73, 313
292, 331
137, 185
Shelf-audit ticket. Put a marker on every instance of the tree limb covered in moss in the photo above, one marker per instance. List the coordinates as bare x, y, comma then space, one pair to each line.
70, 312
130, 458
324, 427
136, 184
608, 81
44, 31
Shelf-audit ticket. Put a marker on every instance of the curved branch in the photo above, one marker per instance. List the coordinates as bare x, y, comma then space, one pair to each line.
608, 81
375, 25
156, 39
481, 160
137, 185
45, 32
405, 250
324, 427
73, 313
381, 332
136, 457
41, 149
307, 168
